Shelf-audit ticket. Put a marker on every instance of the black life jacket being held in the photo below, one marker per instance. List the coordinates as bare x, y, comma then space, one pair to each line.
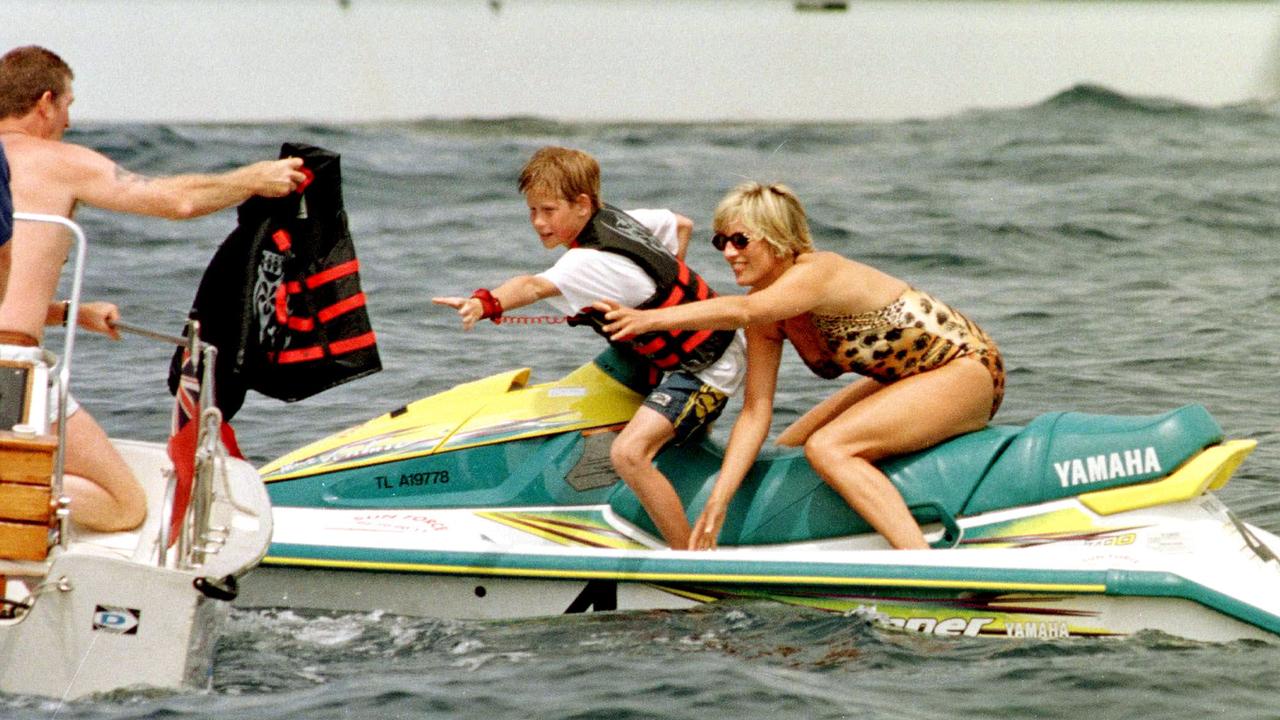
612, 230
281, 298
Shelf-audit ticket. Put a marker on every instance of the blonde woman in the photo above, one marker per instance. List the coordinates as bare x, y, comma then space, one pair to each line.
929, 373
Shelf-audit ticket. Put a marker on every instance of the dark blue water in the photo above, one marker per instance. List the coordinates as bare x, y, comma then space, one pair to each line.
1122, 252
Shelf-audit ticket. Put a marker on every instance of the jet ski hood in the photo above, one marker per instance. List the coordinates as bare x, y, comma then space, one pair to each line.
496, 409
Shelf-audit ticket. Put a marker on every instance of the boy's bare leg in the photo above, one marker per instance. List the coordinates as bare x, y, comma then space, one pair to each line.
632, 454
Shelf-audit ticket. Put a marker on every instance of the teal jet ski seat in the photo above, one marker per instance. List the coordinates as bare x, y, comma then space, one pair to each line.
1054, 456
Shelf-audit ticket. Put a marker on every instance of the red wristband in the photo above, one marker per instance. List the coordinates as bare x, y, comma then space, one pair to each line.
490, 306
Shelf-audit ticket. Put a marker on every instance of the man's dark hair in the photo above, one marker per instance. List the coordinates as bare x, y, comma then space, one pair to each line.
27, 73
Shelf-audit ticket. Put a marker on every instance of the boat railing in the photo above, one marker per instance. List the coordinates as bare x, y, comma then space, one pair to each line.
197, 538
61, 372
211, 457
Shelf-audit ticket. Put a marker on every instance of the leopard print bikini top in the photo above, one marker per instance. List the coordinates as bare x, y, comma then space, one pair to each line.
910, 335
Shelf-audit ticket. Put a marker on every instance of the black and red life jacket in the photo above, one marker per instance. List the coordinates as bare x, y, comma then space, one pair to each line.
281, 299
612, 230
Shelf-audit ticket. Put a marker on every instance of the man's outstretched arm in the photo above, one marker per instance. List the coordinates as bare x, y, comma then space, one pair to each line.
102, 183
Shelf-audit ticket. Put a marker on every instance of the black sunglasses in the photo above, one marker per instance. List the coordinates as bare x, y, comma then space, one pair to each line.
739, 241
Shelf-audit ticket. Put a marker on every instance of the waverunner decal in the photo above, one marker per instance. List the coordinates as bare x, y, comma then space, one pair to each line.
398, 522
1037, 630
510, 429
1107, 466
572, 529
401, 443
968, 614
1065, 525
1101, 537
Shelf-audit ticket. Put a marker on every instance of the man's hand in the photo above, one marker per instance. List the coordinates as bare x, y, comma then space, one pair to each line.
274, 178
469, 309
99, 317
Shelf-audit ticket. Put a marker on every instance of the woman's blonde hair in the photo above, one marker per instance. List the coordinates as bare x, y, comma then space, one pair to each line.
771, 213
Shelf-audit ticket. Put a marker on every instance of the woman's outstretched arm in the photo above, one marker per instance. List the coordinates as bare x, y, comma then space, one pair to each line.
764, 352
797, 290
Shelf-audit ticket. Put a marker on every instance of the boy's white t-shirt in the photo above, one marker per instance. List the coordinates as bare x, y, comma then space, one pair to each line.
584, 275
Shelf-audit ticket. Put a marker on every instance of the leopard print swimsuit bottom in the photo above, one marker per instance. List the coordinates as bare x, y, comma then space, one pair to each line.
911, 335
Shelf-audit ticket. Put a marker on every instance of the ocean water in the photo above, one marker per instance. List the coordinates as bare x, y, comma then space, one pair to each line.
1121, 251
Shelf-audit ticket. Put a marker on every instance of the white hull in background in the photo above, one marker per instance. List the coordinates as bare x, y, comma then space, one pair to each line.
668, 60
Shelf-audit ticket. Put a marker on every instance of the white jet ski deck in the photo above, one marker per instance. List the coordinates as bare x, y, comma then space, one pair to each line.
496, 499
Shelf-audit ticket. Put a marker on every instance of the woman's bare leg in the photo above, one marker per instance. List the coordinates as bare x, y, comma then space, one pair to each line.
824, 412
911, 414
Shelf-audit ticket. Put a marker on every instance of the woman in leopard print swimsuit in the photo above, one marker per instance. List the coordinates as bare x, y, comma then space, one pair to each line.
929, 372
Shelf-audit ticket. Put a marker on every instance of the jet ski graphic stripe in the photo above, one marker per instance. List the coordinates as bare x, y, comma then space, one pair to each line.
1122, 583
615, 567
563, 531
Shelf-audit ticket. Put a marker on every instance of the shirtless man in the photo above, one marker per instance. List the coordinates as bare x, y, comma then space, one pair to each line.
51, 176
